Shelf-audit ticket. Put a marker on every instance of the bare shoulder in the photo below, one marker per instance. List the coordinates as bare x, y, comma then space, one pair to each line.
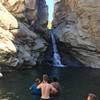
49, 85
40, 85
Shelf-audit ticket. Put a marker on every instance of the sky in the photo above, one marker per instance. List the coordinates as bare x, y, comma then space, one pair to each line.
50, 4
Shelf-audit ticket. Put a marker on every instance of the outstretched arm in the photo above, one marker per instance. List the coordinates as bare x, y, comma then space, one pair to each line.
39, 86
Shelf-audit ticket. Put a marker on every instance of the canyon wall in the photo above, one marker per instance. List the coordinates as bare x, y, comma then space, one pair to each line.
19, 43
77, 22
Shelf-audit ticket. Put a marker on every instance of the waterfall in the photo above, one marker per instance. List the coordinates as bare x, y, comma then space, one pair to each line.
56, 56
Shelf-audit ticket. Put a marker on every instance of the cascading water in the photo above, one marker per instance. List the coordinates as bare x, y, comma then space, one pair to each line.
56, 56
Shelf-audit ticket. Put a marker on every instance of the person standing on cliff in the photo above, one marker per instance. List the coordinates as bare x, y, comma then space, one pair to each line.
46, 88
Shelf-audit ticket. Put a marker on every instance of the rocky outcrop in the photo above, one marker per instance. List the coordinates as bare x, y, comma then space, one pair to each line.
77, 22
42, 12
19, 44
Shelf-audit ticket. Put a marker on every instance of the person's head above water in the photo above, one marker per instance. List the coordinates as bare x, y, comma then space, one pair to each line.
37, 81
91, 96
45, 78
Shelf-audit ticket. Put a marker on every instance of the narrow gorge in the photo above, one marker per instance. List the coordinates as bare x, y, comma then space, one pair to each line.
59, 41
24, 37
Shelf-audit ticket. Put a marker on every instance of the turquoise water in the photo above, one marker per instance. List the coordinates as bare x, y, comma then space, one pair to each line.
76, 83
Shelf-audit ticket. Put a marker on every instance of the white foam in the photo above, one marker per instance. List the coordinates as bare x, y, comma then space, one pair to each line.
1, 75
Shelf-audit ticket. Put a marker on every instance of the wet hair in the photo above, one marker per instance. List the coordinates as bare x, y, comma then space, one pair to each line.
37, 80
92, 96
45, 77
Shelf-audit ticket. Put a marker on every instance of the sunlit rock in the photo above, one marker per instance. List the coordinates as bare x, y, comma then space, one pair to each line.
16, 7
6, 45
18, 43
78, 23
7, 20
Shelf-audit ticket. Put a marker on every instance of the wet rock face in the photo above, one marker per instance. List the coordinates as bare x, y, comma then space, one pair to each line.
18, 43
78, 22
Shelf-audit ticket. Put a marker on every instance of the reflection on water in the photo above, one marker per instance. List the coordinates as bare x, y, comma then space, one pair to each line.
76, 83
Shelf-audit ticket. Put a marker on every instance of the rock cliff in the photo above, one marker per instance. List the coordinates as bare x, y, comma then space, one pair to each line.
19, 44
77, 22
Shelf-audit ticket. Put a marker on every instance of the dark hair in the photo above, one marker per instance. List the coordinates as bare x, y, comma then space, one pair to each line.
45, 77
37, 80
92, 96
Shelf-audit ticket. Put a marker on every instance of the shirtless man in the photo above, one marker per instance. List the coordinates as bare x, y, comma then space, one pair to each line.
46, 88
91, 96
